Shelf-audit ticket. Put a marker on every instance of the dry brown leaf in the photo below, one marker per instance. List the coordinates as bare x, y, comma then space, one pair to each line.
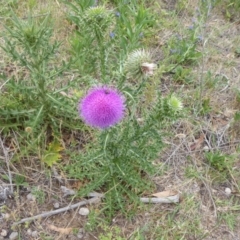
198, 143
60, 230
77, 185
167, 193
180, 135
218, 122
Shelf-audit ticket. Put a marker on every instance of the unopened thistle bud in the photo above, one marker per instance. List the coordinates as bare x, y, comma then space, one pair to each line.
138, 64
175, 104
28, 129
98, 16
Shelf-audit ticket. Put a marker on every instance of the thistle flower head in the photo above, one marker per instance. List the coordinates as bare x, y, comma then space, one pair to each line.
175, 104
102, 107
138, 64
97, 16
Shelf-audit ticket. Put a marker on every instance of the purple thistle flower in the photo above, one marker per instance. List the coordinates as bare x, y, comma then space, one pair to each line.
112, 34
102, 107
117, 14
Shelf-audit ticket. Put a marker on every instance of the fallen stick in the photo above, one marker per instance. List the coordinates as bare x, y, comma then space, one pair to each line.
60, 210
170, 199
95, 199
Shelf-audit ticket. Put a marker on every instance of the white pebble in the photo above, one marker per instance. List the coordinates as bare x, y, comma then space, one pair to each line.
80, 234
30, 197
206, 148
29, 232
6, 215
228, 191
4, 233
34, 234
56, 205
13, 236
83, 211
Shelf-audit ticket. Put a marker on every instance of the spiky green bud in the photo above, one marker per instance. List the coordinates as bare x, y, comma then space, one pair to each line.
99, 17
175, 104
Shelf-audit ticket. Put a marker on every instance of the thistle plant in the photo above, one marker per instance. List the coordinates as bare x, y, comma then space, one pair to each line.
34, 99
119, 161
89, 45
103, 38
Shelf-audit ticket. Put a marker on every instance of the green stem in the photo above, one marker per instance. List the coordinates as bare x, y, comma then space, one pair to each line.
99, 38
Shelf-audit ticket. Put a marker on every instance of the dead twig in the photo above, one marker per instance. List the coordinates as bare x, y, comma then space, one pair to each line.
7, 158
170, 199
210, 195
57, 211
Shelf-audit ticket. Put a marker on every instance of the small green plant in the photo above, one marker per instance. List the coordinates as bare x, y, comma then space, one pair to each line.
93, 221
232, 9
205, 106
230, 219
183, 50
229, 212
34, 100
38, 194
182, 75
237, 116
44, 236
20, 180
52, 154
217, 81
6, 6
219, 161
112, 233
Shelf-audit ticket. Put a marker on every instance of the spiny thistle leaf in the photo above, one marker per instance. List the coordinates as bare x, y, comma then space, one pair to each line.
52, 155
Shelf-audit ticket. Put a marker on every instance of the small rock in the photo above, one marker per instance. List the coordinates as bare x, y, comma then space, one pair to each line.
206, 148
4, 233
56, 205
29, 232
6, 215
13, 236
228, 191
83, 211
30, 197
67, 191
34, 234
80, 234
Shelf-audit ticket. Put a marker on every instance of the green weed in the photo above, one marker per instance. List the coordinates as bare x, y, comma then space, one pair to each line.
110, 233
38, 194
35, 99
219, 161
